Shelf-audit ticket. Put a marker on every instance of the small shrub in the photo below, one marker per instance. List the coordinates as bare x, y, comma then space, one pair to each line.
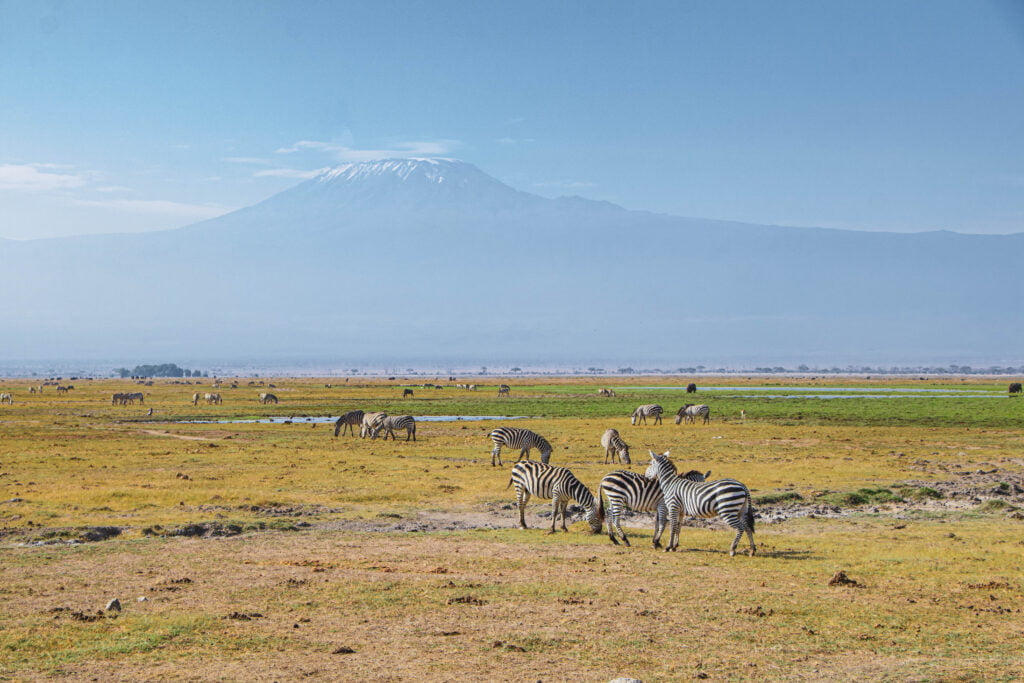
995, 505
867, 496
919, 493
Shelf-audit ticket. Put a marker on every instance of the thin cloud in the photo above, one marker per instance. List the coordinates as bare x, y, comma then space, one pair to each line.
254, 161
288, 173
30, 178
158, 206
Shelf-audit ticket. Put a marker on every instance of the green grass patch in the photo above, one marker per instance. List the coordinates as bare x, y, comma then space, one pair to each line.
865, 496
776, 498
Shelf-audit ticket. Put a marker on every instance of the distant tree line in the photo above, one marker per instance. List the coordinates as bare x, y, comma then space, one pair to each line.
849, 369
164, 370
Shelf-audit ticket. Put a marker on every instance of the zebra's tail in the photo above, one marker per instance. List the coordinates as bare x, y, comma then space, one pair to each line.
509, 483
748, 515
600, 505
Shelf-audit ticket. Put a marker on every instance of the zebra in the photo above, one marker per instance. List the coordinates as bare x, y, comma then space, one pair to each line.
348, 422
7, 398
557, 483
523, 439
629, 490
606, 392
213, 398
195, 398
392, 422
137, 396
268, 398
690, 411
727, 499
504, 389
370, 422
646, 411
614, 445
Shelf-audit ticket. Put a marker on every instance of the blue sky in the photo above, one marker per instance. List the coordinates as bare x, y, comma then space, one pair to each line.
903, 116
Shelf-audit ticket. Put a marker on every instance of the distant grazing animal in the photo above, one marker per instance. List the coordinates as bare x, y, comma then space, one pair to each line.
7, 398
726, 499
690, 411
393, 422
348, 422
691, 388
504, 389
137, 396
406, 392
31, 390
646, 411
743, 414
631, 491
605, 392
523, 439
557, 483
62, 390
195, 398
149, 413
214, 399
614, 446
471, 387
1015, 388
268, 398
370, 422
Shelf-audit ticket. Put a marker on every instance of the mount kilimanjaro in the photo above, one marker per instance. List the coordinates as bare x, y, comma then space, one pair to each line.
433, 260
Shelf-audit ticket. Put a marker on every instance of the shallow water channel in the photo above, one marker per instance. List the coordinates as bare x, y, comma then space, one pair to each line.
323, 420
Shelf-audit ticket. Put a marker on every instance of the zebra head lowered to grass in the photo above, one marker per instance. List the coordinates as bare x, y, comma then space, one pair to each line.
348, 422
726, 499
615, 446
557, 483
631, 491
646, 411
690, 411
394, 422
523, 439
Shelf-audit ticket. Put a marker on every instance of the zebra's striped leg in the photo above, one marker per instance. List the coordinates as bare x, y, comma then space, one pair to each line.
522, 498
659, 525
496, 453
753, 548
565, 505
673, 535
612, 521
618, 526
732, 549
554, 514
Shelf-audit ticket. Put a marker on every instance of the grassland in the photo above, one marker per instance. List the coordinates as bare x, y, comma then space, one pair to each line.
278, 552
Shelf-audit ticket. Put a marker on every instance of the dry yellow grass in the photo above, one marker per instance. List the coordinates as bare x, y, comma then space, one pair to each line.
940, 593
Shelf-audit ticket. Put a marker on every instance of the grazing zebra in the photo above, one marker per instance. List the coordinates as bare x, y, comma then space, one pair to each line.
137, 396
615, 446
523, 439
31, 390
406, 392
61, 390
392, 422
644, 412
1015, 388
370, 422
606, 392
690, 411
471, 387
348, 422
691, 388
632, 491
195, 398
268, 398
7, 398
213, 398
504, 389
726, 499
557, 483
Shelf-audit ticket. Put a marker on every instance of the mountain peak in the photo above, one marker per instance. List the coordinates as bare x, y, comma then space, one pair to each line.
432, 170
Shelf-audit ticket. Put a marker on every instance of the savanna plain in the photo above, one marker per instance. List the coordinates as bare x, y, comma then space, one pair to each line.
889, 529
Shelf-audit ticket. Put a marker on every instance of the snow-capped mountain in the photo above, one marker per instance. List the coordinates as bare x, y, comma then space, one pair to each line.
434, 258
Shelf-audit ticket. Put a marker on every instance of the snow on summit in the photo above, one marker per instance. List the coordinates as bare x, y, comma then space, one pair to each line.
432, 170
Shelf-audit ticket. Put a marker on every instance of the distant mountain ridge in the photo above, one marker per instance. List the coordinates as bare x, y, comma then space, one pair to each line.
435, 258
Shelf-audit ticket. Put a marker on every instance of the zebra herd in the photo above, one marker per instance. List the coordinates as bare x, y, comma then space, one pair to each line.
661, 490
124, 399
372, 424
689, 413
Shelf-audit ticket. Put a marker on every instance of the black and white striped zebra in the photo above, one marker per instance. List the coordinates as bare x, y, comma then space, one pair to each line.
644, 412
523, 439
615, 446
504, 389
631, 491
532, 478
392, 422
371, 421
348, 422
690, 412
726, 499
